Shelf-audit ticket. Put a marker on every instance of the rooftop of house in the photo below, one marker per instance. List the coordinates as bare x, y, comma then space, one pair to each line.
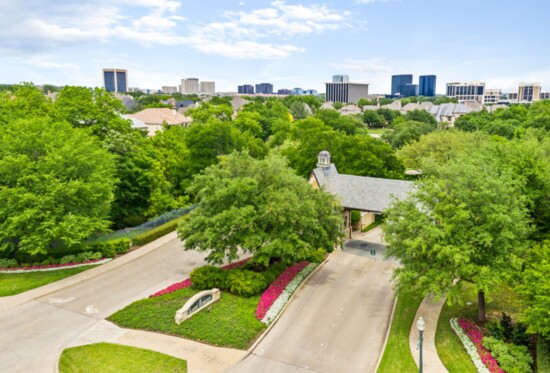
362, 193
158, 116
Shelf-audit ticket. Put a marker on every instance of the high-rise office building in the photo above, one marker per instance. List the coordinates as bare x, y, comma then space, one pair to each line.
528, 92
284, 92
246, 89
115, 80
408, 90
346, 92
297, 91
470, 91
190, 86
310, 92
397, 83
340, 78
264, 88
208, 87
426, 85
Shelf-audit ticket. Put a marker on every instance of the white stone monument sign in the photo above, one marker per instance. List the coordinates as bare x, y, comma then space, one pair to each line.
196, 303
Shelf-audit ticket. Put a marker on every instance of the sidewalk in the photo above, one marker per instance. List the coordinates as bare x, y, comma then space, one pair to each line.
430, 312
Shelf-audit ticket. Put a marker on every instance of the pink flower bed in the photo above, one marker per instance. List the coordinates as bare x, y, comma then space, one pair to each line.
187, 282
50, 266
473, 332
276, 288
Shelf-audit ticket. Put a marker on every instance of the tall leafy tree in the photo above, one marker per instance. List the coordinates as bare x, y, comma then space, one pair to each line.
56, 184
261, 207
468, 222
26, 101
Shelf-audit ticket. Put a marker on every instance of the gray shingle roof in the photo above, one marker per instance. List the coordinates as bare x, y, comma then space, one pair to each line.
361, 192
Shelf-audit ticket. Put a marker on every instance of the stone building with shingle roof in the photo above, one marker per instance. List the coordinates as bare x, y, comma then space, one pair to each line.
369, 195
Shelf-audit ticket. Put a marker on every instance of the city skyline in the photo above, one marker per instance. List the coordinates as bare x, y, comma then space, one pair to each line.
287, 43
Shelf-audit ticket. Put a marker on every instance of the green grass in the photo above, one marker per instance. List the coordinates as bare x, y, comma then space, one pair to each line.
15, 283
107, 357
543, 356
397, 356
378, 220
229, 323
376, 131
450, 349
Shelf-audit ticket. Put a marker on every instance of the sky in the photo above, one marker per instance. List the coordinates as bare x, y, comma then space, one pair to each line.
287, 43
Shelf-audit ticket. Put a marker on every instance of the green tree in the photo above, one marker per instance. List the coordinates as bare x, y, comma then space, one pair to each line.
95, 109
261, 207
337, 105
299, 110
421, 116
535, 285
26, 101
56, 185
439, 147
405, 132
389, 115
373, 119
338, 122
468, 222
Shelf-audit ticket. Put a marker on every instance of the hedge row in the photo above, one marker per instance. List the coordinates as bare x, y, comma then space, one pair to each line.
157, 232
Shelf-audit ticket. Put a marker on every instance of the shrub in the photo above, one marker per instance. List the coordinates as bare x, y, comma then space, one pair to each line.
511, 358
110, 249
244, 282
68, 259
209, 277
8, 263
158, 232
495, 330
317, 256
520, 336
88, 255
272, 272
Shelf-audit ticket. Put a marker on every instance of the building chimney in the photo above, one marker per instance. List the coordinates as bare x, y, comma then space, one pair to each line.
323, 162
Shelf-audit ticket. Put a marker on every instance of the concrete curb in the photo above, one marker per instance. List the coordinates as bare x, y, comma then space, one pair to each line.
390, 323
264, 334
19, 299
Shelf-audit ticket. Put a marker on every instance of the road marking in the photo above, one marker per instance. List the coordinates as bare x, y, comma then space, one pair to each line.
92, 308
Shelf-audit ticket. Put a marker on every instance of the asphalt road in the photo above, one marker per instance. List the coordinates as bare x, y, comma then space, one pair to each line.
336, 322
33, 335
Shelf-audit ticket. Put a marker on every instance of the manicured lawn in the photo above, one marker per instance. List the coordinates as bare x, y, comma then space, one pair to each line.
377, 131
397, 355
107, 357
229, 323
450, 349
15, 283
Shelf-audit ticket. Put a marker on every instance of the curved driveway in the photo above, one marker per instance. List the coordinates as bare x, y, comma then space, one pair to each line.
337, 321
34, 333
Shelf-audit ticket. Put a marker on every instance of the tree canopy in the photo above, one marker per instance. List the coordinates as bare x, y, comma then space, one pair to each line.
261, 207
468, 221
56, 185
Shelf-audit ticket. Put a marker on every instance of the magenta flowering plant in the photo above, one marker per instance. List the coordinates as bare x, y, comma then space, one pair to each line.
276, 288
187, 282
474, 333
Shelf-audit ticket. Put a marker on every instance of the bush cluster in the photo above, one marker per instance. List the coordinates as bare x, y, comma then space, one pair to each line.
8, 263
510, 357
110, 249
158, 232
506, 331
317, 256
241, 281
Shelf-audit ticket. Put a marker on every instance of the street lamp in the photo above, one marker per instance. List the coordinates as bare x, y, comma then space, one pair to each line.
420, 326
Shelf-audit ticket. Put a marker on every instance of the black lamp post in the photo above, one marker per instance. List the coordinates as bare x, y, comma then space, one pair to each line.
420, 326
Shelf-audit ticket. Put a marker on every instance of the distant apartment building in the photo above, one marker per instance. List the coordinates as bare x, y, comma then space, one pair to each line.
246, 89
340, 78
398, 82
264, 88
512, 96
310, 92
115, 80
426, 85
467, 91
545, 95
346, 92
492, 96
169, 89
297, 91
284, 92
208, 87
190, 86
528, 92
